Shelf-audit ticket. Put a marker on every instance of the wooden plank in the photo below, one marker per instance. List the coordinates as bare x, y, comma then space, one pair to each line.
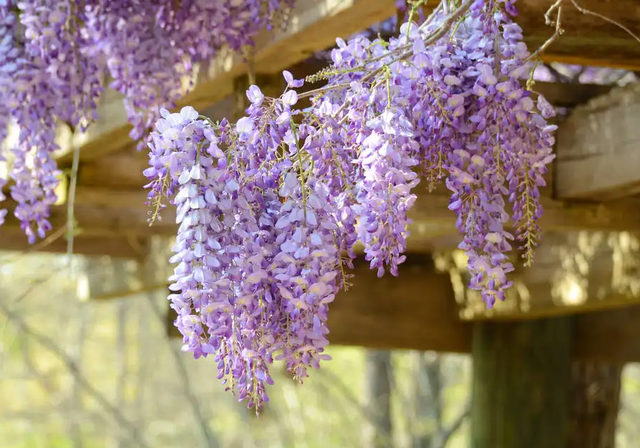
416, 311
575, 273
521, 384
599, 148
395, 312
98, 221
558, 215
587, 39
114, 212
595, 404
313, 26
82, 245
418, 307
102, 212
609, 336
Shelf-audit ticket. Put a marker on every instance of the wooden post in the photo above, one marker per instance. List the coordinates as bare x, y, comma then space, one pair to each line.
595, 400
521, 384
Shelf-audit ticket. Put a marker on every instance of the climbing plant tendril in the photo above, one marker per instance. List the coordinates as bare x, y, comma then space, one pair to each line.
270, 208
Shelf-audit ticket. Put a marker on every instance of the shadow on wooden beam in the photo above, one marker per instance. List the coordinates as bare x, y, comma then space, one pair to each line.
415, 310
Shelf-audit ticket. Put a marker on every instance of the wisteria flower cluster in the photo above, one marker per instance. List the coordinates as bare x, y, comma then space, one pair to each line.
57, 54
270, 208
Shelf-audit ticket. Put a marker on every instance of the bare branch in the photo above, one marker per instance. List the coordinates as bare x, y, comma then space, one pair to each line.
73, 368
558, 31
210, 439
606, 19
455, 426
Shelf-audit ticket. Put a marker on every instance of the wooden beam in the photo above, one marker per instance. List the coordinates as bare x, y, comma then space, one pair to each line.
103, 212
575, 273
587, 39
599, 148
10, 240
417, 311
608, 336
313, 26
558, 215
595, 404
98, 221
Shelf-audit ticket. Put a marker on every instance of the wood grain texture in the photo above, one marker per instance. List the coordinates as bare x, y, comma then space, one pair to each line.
598, 148
595, 402
313, 26
573, 273
520, 386
415, 310
12, 240
120, 213
587, 39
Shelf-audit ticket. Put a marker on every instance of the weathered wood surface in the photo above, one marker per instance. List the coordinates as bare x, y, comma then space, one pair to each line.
587, 39
15, 241
315, 24
118, 211
573, 273
520, 387
598, 147
418, 311
595, 401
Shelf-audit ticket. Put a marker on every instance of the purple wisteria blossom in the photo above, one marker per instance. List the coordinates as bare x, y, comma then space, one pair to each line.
271, 208
57, 55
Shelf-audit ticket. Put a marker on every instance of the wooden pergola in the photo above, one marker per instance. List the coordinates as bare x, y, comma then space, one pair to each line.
580, 302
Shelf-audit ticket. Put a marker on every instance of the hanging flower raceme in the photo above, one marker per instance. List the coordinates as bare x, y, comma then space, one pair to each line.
56, 55
271, 208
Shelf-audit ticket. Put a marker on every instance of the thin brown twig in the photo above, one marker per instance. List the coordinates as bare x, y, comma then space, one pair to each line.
50, 239
556, 34
434, 37
547, 15
605, 18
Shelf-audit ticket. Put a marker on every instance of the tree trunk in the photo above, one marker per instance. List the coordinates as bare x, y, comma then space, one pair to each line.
378, 382
521, 384
427, 425
595, 401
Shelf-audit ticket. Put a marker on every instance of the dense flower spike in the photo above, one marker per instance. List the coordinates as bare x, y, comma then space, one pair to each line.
271, 207
56, 55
